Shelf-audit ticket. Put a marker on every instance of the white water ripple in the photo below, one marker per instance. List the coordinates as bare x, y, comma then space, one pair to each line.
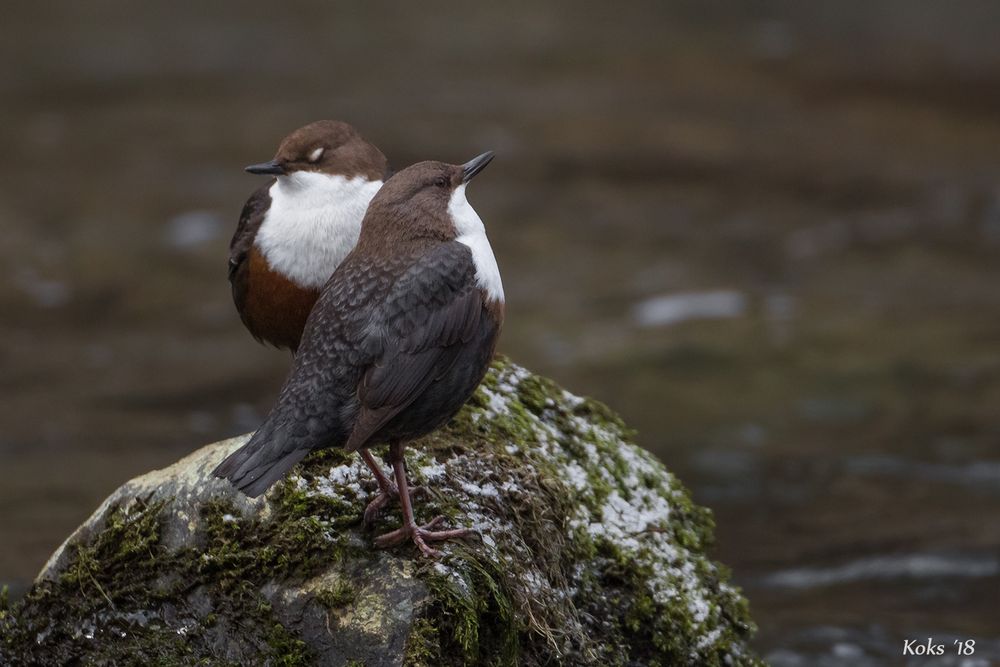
883, 568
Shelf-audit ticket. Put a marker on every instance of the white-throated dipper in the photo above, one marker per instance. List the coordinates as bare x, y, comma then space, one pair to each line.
399, 339
294, 231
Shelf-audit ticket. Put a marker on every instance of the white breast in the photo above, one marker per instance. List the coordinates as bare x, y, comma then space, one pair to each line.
313, 222
472, 233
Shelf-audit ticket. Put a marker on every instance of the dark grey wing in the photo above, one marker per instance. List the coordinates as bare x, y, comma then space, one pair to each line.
239, 247
317, 403
432, 310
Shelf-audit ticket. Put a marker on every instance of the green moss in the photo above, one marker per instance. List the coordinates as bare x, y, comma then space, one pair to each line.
646, 631
129, 539
124, 581
340, 594
286, 649
294, 502
540, 587
423, 645
94, 594
472, 611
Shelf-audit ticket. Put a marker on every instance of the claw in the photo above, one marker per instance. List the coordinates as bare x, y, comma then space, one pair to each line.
383, 499
420, 535
375, 507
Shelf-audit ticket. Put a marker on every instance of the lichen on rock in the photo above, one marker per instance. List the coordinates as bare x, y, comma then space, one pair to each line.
588, 552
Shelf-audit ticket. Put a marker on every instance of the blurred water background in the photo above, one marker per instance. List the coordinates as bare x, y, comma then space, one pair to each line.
767, 233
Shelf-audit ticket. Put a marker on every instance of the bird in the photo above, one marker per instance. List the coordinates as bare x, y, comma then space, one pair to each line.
399, 339
295, 230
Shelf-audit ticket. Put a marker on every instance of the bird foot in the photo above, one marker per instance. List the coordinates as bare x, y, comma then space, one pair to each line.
383, 498
421, 535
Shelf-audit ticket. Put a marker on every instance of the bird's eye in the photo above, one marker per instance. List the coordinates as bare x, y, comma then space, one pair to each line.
441, 182
316, 154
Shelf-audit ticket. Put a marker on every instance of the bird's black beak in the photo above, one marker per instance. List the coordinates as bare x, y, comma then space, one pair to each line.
476, 165
273, 167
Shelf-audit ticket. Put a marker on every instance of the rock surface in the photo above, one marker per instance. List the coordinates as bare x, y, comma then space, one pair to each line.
589, 552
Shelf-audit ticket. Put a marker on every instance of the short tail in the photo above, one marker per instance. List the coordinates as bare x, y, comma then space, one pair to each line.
255, 466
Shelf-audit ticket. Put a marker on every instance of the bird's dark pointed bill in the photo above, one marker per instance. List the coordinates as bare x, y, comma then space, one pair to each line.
273, 167
475, 165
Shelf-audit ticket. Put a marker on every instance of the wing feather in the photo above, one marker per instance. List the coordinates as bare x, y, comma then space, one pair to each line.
431, 312
239, 247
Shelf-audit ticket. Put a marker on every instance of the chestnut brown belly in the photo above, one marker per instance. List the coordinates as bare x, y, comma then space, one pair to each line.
275, 308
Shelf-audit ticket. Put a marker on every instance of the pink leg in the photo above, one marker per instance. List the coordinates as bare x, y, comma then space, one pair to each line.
387, 490
384, 483
410, 530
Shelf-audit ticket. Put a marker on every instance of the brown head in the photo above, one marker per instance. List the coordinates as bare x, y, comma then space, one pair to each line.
328, 147
424, 201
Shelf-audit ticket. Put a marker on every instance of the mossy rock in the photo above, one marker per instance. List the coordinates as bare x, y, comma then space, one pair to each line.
589, 552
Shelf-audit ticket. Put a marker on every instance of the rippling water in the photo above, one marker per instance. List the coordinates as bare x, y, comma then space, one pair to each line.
769, 236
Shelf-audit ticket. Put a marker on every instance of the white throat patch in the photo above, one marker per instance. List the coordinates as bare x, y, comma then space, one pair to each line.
472, 233
313, 223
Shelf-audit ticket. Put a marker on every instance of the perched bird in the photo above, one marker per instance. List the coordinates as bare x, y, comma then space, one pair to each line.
399, 339
294, 231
